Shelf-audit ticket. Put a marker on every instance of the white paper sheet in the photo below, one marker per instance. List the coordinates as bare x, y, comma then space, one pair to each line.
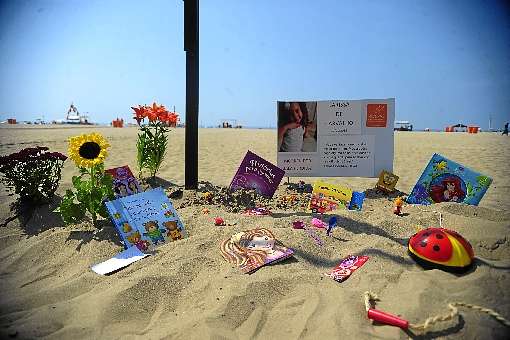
121, 260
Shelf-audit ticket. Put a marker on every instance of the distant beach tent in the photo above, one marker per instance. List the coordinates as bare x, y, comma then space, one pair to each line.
118, 123
11, 121
462, 128
473, 129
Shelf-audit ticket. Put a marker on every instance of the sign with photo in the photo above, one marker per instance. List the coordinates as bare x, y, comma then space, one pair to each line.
336, 138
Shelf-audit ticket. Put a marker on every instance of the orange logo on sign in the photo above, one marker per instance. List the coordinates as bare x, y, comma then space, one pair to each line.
377, 115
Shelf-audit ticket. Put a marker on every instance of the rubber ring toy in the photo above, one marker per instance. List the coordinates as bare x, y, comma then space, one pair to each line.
439, 248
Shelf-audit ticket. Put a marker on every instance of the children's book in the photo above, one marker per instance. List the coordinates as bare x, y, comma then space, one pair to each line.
252, 249
124, 183
444, 180
328, 197
146, 220
257, 173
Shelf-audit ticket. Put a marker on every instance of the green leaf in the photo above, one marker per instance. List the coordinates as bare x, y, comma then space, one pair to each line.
76, 181
103, 212
70, 211
149, 133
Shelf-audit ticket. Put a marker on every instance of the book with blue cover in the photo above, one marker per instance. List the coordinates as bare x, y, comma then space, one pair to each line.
444, 180
146, 220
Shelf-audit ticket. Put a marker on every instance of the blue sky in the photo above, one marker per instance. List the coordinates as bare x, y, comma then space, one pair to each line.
444, 61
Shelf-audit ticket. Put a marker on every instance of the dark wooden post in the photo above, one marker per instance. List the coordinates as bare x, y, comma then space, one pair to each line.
191, 48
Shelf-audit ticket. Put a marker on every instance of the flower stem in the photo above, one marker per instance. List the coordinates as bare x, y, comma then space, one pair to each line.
92, 208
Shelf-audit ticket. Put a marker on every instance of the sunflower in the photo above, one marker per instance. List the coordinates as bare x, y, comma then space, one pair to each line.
87, 150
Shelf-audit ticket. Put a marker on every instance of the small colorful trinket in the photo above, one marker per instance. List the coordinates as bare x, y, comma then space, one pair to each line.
218, 221
357, 199
397, 205
205, 211
331, 224
258, 211
346, 267
298, 224
318, 223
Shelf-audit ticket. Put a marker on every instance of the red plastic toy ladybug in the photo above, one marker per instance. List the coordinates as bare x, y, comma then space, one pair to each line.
441, 248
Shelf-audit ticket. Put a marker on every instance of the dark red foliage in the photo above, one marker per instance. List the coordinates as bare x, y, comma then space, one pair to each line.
32, 173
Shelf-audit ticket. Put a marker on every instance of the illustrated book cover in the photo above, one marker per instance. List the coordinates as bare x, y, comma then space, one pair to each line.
124, 183
257, 173
328, 197
444, 180
146, 220
251, 249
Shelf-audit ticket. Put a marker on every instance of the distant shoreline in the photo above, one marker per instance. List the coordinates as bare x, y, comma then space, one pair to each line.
103, 126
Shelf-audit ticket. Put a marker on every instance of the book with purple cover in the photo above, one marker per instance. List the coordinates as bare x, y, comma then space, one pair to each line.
258, 174
124, 183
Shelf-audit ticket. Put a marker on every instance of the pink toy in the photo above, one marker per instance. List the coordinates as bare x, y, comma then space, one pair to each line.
319, 224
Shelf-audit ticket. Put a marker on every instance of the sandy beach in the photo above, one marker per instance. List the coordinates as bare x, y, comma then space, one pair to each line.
188, 291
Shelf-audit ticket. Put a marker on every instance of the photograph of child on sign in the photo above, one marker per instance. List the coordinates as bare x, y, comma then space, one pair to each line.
297, 126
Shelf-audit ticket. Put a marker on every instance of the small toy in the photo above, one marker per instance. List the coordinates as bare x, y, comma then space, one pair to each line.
357, 199
393, 320
218, 221
331, 224
298, 224
207, 196
441, 248
318, 223
397, 206
346, 267
387, 181
290, 198
258, 211
205, 211
301, 186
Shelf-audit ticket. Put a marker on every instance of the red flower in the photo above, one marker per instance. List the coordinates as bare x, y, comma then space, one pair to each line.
163, 116
155, 113
172, 118
152, 116
140, 113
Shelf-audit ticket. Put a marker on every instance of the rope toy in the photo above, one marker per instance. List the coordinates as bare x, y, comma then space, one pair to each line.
370, 298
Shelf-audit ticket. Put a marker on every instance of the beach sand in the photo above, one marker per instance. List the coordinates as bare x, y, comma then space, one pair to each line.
188, 291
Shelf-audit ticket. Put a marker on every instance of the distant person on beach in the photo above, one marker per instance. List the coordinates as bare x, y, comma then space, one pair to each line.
293, 127
505, 131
